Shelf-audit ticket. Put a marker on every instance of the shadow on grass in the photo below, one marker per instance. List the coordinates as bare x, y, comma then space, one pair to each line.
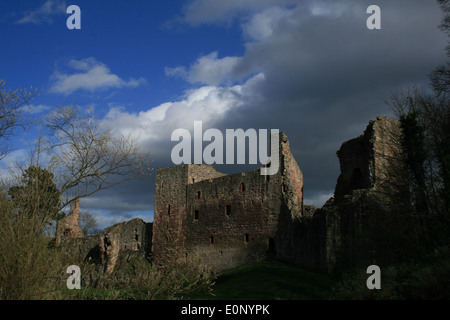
271, 280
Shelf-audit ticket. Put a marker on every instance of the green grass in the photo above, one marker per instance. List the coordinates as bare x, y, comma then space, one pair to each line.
270, 280
266, 280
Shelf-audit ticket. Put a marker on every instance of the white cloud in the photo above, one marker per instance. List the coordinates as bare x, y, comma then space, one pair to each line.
208, 104
7, 164
209, 70
179, 71
92, 75
32, 109
44, 13
261, 25
219, 11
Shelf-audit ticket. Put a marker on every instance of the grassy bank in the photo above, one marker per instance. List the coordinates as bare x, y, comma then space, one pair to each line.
271, 280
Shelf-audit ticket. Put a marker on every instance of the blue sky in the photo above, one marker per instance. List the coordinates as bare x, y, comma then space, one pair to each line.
309, 68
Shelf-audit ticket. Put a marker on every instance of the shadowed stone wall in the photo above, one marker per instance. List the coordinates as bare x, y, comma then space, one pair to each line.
129, 238
227, 220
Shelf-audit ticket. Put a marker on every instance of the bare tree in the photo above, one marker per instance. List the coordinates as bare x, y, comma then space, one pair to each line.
440, 77
11, 114
86, 157
88, 223
425, 121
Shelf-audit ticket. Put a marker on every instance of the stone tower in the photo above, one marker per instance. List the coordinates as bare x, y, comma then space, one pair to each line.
69, 226
370, 185
226, 220
370, 159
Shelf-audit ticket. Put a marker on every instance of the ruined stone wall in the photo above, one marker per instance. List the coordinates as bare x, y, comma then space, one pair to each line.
170, 211
133, 235
129, 238
287, 187
337, 234
367, 161
228, 220
220, 217
69, 226
197, 173
369, 186
356, 164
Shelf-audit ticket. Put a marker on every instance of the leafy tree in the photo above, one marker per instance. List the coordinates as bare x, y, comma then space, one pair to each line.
37, 196
29, 267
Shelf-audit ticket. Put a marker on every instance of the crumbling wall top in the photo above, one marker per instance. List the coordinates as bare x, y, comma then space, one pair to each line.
364, 160
69, 226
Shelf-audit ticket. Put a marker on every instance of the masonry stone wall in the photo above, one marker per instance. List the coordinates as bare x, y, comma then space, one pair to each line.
169, 211
335, 235
228, 220
69, 226
134, 235
131, 237
366, 161
369, 185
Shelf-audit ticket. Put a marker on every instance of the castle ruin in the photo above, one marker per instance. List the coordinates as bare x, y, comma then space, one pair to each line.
230, 220
69, 226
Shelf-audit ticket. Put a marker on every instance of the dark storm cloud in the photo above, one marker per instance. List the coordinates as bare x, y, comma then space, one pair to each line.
313, 71
328, 75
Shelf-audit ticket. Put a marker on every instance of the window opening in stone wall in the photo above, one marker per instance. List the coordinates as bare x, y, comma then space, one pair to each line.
242, 187
246, 237
136, 237
168, 210
198, 195
211, 240
196, 213
357, 179
228, 210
